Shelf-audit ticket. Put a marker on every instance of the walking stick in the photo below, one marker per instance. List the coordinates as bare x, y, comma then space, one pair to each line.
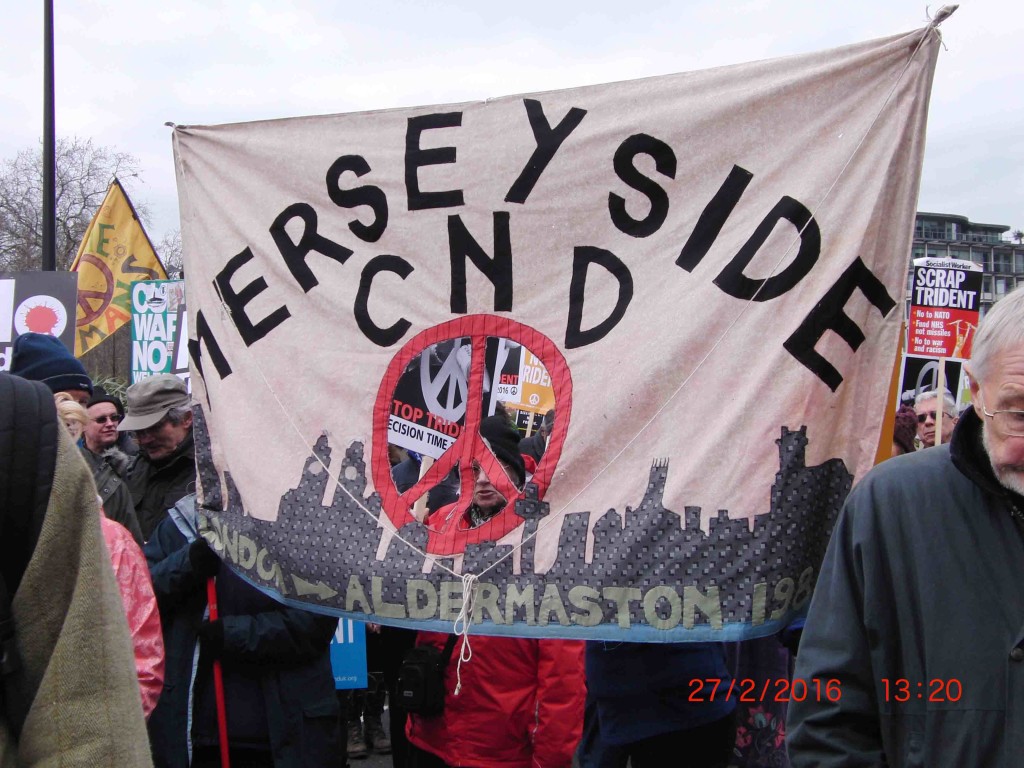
218, 681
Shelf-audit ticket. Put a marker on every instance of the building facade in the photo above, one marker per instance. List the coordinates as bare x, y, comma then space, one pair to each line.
944, 235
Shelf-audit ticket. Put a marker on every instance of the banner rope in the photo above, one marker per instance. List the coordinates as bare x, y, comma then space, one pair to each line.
465, 617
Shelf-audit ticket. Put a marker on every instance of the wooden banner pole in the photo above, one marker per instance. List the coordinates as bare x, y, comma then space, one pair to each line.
940, 410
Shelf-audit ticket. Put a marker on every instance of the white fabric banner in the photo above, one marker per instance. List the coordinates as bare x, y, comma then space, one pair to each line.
710, 266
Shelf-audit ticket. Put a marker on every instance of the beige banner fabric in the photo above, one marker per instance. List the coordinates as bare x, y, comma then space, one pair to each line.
709, 265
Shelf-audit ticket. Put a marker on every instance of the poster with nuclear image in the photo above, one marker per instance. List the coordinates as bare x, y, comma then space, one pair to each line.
36, 302
921, 374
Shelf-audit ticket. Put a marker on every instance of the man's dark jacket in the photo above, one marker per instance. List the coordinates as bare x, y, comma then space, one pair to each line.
114, 493
156, 487
283, 652
534, 446
923, 582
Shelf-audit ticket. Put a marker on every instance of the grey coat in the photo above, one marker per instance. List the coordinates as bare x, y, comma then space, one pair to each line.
923, 581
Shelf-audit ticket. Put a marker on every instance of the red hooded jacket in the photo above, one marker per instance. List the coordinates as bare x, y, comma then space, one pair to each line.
140, 607
520, 704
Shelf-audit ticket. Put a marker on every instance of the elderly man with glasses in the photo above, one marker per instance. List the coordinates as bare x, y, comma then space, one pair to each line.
931, 408
160, 414
918, 613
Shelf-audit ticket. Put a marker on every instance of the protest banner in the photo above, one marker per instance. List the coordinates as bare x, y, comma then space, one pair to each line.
36, 302
348, 655
523, 384
700, 265
114, 252
944, 310
945, 301
922, 374
428, 408
159, 329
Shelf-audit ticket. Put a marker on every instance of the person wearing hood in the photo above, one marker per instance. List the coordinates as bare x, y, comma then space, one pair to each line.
70, 690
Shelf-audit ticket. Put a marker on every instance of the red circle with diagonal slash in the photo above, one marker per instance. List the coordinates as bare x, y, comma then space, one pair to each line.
448, 533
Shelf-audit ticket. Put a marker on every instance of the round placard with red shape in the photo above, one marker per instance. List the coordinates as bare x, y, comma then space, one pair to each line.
449, 534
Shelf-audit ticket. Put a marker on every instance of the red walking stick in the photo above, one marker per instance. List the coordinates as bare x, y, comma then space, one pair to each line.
218, 681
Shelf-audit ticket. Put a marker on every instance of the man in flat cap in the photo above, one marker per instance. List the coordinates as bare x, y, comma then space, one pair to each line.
159, 412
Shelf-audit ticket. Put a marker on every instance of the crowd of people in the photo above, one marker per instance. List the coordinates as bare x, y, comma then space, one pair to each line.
151, 651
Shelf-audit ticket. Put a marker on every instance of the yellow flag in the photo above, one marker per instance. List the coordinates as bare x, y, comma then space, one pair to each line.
114, 253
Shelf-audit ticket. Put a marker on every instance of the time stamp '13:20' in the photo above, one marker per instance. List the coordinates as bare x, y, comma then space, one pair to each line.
938, 689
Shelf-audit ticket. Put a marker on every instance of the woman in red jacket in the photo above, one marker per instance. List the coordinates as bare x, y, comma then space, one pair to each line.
520, 706
520, 703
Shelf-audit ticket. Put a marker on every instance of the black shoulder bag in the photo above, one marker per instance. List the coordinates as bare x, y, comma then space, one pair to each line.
420, 685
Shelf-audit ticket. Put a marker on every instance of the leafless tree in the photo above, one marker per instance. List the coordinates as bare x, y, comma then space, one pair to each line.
169, 250
84, 171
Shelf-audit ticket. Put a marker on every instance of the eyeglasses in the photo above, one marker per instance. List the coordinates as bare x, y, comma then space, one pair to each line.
114, 418
923, 417
1009, 423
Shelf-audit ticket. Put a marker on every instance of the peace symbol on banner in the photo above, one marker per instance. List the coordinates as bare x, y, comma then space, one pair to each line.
449, 380
448, 533
92, 302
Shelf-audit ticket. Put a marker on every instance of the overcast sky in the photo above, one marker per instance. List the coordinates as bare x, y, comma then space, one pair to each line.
123, 69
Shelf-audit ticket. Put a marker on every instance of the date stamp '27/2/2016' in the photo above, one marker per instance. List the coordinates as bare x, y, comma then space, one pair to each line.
783, 689
780, 689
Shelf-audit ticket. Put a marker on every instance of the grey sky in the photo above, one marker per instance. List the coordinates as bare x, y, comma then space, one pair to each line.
125, 68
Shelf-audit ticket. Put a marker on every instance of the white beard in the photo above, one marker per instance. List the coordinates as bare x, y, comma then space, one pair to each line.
1010, 477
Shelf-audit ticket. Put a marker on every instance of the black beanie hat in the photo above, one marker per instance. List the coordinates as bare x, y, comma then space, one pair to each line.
503, 439
99, 395
41, 357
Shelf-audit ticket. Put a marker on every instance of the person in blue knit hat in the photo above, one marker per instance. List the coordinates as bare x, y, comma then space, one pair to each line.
41, 357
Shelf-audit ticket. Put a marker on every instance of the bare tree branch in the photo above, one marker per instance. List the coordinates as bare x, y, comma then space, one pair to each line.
84, 171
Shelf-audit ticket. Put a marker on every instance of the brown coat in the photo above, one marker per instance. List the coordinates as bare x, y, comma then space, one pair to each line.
77, 687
